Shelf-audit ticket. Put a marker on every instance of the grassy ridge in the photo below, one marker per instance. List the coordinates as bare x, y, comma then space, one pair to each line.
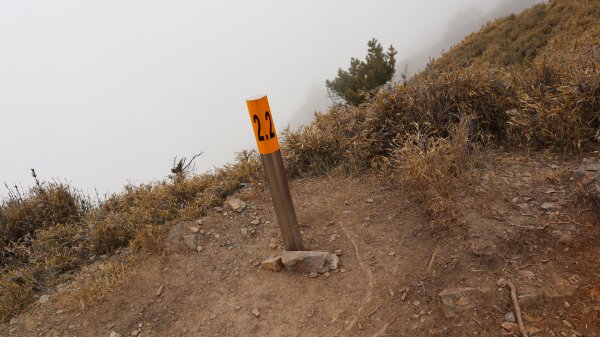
515, 40
516, 83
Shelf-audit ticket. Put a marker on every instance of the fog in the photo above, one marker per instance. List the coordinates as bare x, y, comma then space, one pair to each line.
104, 93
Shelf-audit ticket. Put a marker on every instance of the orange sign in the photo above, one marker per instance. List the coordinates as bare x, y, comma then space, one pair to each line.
262, 121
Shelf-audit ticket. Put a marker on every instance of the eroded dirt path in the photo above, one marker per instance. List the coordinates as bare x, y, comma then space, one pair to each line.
392, 269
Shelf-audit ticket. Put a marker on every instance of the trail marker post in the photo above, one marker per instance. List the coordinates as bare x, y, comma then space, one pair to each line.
270, 155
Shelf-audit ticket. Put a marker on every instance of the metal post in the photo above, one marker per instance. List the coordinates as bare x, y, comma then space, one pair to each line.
268, 147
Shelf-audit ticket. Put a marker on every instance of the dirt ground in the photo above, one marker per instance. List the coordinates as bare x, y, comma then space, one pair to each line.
522, 221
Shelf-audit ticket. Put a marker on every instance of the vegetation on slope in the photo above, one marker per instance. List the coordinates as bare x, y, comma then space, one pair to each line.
519, 39
429, 130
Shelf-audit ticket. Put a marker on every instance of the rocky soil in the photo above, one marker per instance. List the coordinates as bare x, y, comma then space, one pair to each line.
523, 220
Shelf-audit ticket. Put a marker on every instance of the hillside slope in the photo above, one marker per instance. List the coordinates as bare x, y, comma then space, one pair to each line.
565, 25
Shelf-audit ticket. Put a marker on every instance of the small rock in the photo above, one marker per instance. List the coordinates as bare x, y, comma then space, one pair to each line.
309, 261
43, 299
244, 231
338, 252
510, 317
136, 332
501, 282
273, 245
199, 222
457, 300
199, 249
392, 253
511, 328
237, 307
194, 229
370, 200
272, 264
218, 209
416, 303
567, 304
313, 274
115, 334
515, 200
255, 312
255, 222
567, 323
236, 204
13, 321
547, 206
326, 274
330, 223
160, 290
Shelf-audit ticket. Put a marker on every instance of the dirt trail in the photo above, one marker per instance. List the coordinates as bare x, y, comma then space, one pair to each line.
384, 286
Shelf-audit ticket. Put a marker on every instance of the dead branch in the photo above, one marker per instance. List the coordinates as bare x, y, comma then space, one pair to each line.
515, 300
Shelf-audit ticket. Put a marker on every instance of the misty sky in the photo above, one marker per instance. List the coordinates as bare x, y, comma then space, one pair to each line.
100, 93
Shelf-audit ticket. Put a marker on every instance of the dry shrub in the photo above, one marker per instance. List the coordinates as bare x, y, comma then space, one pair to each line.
97, 280
43, 206
16, 292
52, 229
150, 239
60, 248
431, 168
558, 104
331, 141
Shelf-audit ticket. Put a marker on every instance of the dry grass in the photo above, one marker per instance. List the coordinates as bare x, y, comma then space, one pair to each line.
519, 39
52, 229
432, 169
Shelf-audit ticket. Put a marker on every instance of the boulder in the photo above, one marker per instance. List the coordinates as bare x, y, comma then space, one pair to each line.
309, 261
587, 175
272, 264
191, 241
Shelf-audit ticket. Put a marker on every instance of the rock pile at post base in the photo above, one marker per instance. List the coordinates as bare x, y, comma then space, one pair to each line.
303, 262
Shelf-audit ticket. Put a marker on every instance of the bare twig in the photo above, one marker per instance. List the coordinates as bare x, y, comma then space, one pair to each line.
481, 324
513, 295
432, 258
531, 215
374, 311
575, 222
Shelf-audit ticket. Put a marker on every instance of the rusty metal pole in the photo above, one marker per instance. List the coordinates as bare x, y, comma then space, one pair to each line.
268, 147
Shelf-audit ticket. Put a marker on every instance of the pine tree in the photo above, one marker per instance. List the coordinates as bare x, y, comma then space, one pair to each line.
354, 84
